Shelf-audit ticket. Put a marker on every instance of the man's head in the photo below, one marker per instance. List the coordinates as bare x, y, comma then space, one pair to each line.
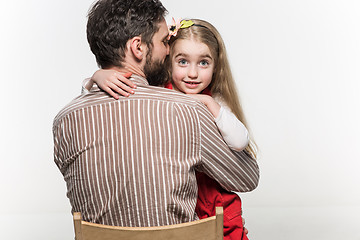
114, 25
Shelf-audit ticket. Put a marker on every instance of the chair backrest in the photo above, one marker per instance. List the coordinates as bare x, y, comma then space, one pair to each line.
205, 229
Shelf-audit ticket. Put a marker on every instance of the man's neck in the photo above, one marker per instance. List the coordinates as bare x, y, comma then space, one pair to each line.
129, 68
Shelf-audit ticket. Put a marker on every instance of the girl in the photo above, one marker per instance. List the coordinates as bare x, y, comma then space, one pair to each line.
198, 66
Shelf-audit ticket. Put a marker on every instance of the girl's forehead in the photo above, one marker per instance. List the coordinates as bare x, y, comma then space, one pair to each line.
191, 47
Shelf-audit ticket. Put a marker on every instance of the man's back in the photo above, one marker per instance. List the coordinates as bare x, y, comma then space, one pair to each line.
131, 162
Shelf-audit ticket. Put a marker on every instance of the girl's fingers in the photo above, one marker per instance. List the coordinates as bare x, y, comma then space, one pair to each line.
110, 91
126, 88
127, 75
120, 90
125, 79
124, 85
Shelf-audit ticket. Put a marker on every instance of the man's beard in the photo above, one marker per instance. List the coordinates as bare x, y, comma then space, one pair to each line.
155, 71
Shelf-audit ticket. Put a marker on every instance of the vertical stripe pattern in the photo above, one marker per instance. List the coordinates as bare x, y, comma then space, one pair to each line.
132, 161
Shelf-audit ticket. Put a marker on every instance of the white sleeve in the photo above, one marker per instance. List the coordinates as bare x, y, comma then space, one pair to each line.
83, 89
232, 129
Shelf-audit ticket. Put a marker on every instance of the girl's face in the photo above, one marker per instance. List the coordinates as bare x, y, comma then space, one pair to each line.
192, 66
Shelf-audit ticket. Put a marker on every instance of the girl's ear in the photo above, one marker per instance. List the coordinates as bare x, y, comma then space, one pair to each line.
137, 48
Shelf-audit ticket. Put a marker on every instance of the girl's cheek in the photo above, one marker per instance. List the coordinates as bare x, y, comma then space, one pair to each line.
207, 76
177, 74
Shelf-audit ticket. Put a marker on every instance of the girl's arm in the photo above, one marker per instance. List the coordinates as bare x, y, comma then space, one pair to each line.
232, 129
209, 102
112, 82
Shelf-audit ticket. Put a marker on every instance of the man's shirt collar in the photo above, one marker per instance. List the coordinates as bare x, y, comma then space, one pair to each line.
139, 80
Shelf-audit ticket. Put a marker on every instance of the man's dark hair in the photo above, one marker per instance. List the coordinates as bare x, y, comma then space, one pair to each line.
111, 23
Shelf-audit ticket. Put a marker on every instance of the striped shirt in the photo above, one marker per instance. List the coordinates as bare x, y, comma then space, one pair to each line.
132, 161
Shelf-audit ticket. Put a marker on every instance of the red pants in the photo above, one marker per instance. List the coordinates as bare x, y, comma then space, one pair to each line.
212, 195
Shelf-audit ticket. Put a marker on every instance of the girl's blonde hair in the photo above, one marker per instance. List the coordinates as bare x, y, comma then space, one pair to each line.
222, 84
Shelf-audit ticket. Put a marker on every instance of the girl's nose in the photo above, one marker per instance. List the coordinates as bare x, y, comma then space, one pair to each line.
192, 73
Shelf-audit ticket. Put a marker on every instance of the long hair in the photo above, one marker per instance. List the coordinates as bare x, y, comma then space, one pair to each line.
222, 84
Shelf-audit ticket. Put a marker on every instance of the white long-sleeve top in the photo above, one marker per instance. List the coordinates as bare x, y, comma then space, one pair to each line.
232, 129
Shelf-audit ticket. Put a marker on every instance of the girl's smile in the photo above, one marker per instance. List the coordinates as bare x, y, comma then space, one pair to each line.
192, 85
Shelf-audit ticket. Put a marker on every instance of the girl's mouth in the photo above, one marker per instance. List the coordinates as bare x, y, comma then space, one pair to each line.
191, 84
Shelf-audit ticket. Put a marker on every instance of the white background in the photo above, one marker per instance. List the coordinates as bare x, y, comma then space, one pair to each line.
297, 69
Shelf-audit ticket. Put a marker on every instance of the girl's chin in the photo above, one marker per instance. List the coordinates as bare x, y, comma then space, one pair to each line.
191, 91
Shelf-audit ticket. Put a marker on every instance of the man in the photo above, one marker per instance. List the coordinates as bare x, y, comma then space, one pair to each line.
132, 161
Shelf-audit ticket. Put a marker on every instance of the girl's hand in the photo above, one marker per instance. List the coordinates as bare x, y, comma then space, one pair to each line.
209, 102
114, 83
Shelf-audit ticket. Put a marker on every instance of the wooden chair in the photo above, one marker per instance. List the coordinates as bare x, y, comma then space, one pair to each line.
205, 229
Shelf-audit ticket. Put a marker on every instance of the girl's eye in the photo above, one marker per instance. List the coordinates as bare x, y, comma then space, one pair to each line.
182, 62
204, 63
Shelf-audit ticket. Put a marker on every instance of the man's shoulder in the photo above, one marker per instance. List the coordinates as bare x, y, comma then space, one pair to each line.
82, 102
151, 94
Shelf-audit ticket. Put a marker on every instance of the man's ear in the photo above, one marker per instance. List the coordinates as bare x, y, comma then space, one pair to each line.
138, 48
